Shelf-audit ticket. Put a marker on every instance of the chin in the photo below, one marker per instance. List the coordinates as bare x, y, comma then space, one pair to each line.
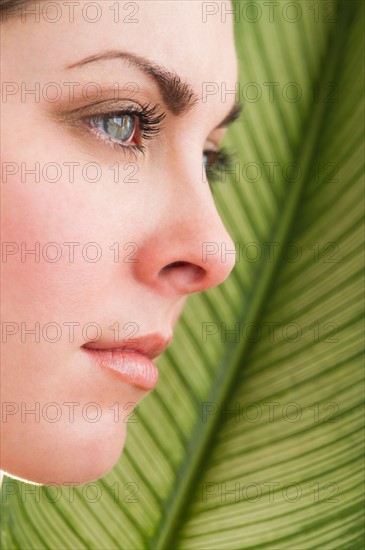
65, 456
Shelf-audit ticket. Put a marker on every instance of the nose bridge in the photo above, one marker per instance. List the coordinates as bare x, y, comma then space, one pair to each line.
188, 239
207, 228
193, 215
193, 204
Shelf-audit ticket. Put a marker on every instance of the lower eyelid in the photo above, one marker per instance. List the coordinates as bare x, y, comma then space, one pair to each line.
129, 148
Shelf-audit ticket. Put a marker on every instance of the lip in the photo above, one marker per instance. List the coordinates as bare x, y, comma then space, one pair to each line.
130, 360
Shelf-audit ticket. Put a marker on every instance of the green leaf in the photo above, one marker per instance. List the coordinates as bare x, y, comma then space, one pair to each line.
254, 439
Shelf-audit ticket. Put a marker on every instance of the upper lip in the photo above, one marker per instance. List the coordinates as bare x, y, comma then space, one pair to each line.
151, 345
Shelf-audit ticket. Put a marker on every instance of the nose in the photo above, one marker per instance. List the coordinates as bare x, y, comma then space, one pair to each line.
189, 248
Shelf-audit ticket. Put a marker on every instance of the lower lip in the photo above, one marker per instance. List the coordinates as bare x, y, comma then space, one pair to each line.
129, 366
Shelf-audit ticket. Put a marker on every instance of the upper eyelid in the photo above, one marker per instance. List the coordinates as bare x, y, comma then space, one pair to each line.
104, 107
130, 98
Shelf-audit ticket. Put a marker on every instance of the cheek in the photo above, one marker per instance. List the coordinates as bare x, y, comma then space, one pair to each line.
42, 375
58, 241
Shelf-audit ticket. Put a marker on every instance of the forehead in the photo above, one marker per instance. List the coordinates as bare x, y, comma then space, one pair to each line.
178, 34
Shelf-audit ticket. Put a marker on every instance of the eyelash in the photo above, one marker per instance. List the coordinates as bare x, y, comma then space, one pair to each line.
149, 125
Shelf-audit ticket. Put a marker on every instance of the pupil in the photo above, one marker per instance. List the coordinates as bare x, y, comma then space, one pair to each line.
120, 127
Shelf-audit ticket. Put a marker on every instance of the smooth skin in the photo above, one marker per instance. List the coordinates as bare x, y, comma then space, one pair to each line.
167, 215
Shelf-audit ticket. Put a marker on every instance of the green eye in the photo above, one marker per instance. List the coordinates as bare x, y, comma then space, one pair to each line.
119, 127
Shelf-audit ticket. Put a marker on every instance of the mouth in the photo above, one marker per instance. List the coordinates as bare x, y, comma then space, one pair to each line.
130, 360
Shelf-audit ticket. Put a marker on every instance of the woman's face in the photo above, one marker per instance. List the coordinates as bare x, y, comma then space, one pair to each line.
102, 243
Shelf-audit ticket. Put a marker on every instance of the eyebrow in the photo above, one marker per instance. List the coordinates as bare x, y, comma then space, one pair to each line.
178, 95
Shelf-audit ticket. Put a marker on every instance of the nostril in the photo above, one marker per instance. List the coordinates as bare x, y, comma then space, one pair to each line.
182, 274
176, 264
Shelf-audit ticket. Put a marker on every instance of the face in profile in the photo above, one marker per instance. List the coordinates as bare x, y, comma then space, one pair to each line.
106, 214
